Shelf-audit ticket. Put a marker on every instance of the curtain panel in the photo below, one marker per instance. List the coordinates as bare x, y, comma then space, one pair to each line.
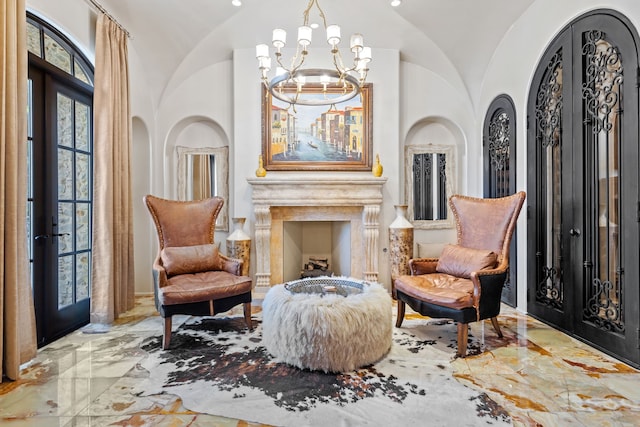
17, 314
201, 177
112, 275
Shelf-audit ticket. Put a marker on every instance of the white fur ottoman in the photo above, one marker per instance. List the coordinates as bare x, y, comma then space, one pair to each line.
326, 323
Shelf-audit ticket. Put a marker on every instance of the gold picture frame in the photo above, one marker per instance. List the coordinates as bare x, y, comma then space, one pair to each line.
317, 138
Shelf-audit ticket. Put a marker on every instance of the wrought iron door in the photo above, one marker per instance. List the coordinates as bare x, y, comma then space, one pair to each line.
583, 185
499, 146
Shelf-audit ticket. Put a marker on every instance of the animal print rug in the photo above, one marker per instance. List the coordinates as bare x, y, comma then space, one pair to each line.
216, 366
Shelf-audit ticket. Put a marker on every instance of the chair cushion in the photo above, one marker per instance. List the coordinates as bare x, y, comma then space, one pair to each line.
211, 285
460, 261
190, 259
438, 288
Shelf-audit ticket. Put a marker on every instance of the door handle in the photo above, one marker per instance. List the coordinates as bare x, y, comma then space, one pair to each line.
41, 236
574, 232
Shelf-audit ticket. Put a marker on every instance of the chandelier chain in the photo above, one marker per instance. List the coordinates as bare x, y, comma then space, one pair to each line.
320, 12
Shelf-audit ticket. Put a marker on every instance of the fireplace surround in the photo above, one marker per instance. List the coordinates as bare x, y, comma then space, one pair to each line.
352, 197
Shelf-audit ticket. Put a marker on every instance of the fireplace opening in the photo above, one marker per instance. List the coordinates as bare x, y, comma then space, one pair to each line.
319, 243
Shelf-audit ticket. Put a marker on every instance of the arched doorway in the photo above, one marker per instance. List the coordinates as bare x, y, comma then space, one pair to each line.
60, 165
583, 229
499, 153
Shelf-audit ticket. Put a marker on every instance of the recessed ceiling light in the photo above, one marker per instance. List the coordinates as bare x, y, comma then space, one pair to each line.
314, 25
396, 3
236, 3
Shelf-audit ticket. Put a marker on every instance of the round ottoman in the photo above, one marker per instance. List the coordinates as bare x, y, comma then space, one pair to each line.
326, 323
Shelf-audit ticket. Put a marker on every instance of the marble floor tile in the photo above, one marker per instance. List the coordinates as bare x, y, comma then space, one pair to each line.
540, 376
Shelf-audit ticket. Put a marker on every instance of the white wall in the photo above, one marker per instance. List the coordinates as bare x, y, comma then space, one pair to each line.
407, 99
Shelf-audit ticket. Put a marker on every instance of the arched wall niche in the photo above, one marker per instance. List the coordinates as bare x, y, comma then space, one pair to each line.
439, 130
196, 136
434, 134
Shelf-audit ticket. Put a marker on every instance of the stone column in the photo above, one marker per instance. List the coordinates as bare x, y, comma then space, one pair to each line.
263, 245
371, 223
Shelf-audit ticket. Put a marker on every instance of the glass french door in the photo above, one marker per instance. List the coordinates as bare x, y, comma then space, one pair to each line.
583, 181
59, 201
499, 148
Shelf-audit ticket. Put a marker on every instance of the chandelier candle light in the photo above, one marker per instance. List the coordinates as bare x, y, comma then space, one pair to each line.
337, 85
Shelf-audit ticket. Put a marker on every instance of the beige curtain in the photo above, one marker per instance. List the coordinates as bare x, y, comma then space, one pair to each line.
112, 271
17, 318
201, 176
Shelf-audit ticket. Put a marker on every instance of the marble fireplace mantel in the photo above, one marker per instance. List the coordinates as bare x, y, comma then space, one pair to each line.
354, 197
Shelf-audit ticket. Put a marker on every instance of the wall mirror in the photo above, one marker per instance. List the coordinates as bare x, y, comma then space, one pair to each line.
429, 182
202, 173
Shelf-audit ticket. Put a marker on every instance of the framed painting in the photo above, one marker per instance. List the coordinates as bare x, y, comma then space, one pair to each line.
318, 138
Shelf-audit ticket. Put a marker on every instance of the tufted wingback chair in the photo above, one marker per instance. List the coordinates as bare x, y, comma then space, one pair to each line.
190, 276
465, 283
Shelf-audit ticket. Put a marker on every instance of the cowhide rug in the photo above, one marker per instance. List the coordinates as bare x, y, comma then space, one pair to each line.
216, 366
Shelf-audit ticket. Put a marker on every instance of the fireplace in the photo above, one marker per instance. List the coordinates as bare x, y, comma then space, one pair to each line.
316, 248
345, 197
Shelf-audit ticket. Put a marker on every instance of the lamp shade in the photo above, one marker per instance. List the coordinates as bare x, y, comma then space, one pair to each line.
357, 41
262, 51
304, 36
264, 63
365, 55
279, 38
333, 35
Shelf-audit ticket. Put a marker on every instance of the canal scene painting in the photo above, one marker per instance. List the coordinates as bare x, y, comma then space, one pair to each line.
317, 137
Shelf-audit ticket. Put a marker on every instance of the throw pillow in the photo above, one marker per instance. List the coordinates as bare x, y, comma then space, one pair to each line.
460, 261
190, 259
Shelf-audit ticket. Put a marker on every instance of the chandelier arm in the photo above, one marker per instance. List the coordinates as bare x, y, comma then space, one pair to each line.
337, 62
301, 56
363, 75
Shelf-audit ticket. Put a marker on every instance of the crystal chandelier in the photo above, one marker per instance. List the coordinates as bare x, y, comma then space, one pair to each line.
335, 85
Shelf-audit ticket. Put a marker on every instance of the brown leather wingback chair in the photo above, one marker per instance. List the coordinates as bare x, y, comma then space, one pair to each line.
465, 283
190, 276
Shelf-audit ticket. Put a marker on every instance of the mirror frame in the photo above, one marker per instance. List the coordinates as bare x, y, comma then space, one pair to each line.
450, 187
221, 155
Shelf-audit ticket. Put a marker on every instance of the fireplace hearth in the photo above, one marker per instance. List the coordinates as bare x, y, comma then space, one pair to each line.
352, 197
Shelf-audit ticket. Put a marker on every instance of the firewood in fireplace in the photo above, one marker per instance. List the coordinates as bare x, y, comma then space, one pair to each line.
321, 263
316, 267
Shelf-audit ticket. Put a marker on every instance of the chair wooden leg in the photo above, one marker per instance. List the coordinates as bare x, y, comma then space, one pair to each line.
400, 316
463, 335
496, 326
166, 336
247, 315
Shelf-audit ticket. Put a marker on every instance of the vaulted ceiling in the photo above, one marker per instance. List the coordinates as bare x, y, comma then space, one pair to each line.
466, 32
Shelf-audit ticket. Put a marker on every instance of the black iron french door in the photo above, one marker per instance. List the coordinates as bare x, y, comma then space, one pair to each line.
499, 148
59, 200
583, 205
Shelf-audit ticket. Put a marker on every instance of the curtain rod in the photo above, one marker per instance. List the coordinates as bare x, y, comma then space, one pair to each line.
101, 8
